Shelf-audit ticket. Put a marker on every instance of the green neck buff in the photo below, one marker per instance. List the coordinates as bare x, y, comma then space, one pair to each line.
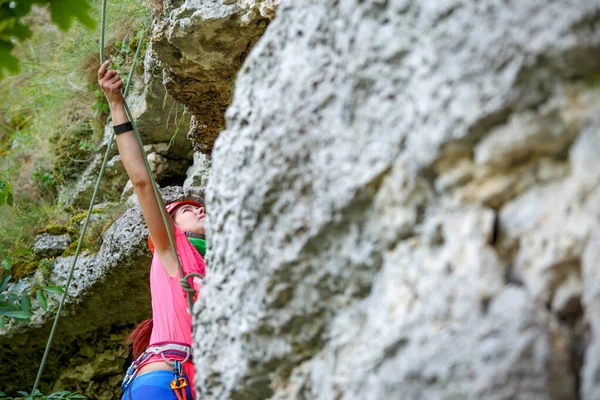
199, 244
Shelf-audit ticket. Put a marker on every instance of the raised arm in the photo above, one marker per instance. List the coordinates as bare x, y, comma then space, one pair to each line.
135, 166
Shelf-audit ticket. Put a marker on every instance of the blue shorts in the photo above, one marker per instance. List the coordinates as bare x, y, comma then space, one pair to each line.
153, 385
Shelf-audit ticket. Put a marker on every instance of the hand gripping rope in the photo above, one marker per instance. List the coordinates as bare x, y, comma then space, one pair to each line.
190, 291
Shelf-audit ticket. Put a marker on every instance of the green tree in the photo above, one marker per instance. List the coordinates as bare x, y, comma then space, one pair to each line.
12, 27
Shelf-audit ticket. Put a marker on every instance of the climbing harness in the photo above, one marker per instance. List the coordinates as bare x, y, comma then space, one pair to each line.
190, 291
164, 349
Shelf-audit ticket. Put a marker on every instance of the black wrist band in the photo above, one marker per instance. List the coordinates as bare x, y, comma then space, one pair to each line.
126, 127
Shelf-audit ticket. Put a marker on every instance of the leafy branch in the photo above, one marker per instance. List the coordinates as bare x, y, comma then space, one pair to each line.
12, 27
18, 307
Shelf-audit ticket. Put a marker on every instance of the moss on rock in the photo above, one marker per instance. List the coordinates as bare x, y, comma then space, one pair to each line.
99, 222
23, 265
58, 229
72, 150
26, 264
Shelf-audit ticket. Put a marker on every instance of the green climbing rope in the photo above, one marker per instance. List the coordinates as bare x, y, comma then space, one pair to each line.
93, 199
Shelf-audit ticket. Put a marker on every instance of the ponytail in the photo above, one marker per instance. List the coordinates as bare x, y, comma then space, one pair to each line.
140, 337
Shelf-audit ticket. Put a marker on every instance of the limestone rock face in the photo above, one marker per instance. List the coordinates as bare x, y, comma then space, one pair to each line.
198, 173
159, 118
47, 245
100, 281
112, 183
405, 204
201, 45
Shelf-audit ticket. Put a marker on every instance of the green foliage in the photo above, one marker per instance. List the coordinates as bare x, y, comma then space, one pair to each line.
16, 120
70, 156
37, 395
8, 261
100, 106
65, 11
97, 225
6, 190
12, 27
45, 179
18, 226
24, 265
58, 229
20, 308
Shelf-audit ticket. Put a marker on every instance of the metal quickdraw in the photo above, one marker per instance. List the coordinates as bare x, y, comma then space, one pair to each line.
133, 370
179, 383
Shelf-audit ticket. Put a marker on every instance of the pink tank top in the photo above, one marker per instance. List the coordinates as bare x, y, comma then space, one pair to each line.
171, 316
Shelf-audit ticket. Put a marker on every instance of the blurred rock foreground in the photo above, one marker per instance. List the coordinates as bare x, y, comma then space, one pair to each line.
404, 203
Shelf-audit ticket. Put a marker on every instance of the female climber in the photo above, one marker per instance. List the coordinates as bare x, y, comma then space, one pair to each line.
164, 369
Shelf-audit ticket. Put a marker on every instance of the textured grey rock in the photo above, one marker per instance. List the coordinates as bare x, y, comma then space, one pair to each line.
525, 135
162, 169
198, 173
399, 205
46, 245
81, 194
551, 224
591, 300
201, 45
159, 148
159, 118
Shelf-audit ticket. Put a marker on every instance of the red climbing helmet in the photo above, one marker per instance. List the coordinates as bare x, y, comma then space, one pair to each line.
171, 208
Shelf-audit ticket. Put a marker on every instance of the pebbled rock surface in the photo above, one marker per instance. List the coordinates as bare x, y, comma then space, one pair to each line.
201, 45
198, 173
405, 203
46, 245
